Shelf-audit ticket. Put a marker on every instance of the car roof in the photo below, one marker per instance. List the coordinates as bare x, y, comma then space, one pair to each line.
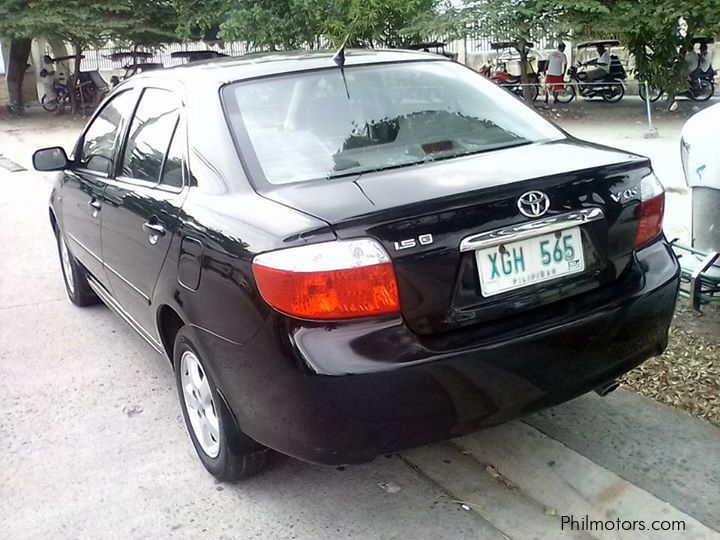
231, 69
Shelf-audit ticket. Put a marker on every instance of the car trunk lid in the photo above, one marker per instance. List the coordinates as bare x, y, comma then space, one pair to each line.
423, 214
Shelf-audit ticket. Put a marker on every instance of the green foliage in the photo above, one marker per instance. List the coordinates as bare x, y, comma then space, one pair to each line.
11, 11
372, 23
267, 24
146, 23
90, 22
196, 18
270, 24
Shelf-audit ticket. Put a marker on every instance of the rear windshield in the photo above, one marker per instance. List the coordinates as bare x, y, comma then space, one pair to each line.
333, 123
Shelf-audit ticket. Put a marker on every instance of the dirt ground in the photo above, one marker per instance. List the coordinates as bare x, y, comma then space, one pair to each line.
687, 376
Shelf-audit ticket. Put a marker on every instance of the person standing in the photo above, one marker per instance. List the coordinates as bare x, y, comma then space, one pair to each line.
555, 74
704, 61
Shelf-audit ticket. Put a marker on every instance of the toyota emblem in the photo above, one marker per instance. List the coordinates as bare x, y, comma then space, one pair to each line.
533, 204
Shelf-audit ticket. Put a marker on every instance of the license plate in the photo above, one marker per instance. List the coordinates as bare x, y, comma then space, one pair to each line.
514, 265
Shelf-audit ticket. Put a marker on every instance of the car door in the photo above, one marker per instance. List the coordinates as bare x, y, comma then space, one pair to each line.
85, 180
143, 201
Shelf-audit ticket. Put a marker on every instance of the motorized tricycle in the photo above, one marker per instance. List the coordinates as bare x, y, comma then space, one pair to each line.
138, 63
610, 88
500, 74
435, 47
197, 55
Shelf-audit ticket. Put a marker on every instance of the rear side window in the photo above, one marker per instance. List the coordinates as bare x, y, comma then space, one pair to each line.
150, 134
99, 141
172, 171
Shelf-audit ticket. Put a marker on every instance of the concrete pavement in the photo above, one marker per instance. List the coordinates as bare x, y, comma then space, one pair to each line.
93, 444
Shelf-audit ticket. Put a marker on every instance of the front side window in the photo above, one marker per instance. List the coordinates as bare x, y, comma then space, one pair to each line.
99, 140
150, 133
323, 125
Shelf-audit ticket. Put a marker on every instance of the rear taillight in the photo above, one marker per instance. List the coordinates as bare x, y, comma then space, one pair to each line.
650, 210
330, 280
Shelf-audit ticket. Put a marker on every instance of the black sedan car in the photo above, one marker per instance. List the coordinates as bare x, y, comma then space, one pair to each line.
341, 261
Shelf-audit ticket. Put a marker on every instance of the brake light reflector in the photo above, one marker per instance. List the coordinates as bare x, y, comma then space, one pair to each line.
651, 209
329, 280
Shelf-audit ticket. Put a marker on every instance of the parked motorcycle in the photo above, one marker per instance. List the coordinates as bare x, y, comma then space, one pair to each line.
58, 97
87, 91
90, 88
513, 83
699, 89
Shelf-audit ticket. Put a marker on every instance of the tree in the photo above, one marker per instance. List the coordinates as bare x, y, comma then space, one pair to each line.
658, 41
18, 52
86, 23
270, 24
288, 24
143, 23
371, 23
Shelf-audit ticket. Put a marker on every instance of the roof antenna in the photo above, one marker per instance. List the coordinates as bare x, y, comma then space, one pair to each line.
339, 56
339, 59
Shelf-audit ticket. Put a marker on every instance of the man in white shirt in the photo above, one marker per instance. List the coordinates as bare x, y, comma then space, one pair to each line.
704, 60
555, 75
601, 65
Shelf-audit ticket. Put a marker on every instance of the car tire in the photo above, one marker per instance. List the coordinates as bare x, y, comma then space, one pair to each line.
224, 450
74, 275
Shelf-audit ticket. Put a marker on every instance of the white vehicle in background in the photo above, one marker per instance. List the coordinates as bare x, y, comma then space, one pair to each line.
700, 151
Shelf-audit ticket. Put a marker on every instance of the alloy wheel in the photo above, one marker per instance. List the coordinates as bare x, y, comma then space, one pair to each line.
67, 266
200, 405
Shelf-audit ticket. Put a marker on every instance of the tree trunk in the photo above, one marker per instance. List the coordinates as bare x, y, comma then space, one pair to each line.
522, 49
17, 66
74, 81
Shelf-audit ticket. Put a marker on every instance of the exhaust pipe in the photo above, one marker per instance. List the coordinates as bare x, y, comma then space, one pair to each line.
605, 388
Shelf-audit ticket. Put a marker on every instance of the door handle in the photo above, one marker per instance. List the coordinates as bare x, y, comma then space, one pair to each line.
154, 230
95, 205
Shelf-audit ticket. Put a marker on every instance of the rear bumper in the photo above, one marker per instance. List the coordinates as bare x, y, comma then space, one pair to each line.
346, 393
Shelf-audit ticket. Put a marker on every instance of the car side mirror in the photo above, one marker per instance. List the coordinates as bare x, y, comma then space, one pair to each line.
50, 159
